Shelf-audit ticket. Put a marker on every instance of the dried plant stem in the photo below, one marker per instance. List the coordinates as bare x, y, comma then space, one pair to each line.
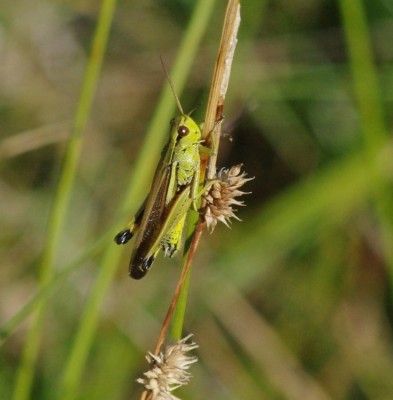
211, 127
179, 287
211, 133
219, 86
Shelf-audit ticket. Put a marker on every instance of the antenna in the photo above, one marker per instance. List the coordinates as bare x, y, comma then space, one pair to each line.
172, 87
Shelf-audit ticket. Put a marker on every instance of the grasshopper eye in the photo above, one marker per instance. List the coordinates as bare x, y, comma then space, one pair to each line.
182, 130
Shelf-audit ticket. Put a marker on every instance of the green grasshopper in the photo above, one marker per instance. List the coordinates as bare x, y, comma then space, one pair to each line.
159, 223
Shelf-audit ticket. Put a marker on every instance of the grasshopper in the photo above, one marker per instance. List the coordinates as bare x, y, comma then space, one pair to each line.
159, 223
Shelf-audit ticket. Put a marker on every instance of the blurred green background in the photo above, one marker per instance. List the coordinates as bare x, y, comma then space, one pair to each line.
295, 302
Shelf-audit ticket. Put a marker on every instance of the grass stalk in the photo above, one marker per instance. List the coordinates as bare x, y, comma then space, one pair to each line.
141, 171
58, 211
46, 291
368, 96
212, 133
196, 225
194, 232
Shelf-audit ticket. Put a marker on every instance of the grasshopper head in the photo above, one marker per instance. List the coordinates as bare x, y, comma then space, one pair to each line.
186, 130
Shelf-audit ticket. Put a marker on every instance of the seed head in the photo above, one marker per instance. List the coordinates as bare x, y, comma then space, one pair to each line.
168, 370
217, 202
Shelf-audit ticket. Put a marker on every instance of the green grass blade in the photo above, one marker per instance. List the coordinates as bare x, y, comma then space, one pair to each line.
368, 97
176, 332
141, 171
58, 212
46, 291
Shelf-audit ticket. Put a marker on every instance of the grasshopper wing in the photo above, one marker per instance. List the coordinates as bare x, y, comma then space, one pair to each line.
144, 256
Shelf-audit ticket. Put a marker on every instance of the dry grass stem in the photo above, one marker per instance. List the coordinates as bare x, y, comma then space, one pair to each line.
219, 85
179, 288
213, 117
216, 100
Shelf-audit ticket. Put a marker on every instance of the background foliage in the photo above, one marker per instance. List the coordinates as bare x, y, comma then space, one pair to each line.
295, 302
